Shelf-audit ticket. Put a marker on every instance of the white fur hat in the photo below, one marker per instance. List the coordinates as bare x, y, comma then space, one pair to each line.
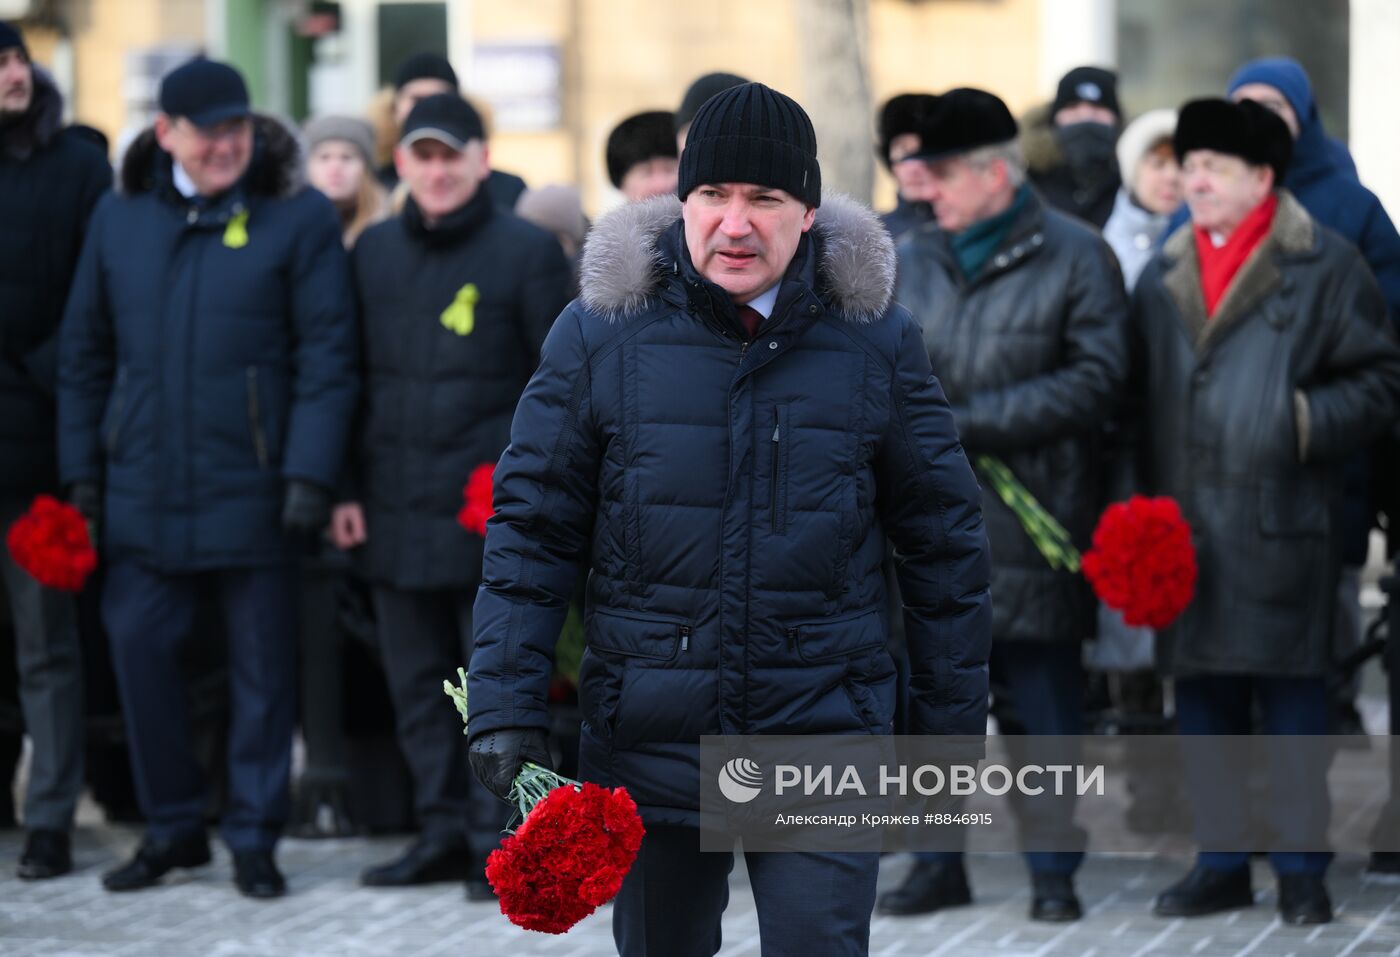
1138, 138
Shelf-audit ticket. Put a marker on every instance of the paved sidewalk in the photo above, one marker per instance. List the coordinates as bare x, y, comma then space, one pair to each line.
328, 914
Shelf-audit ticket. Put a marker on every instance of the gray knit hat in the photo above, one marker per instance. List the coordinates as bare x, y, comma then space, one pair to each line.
348, 129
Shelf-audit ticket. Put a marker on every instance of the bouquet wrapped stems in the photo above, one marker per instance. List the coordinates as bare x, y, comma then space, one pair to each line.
1047, 534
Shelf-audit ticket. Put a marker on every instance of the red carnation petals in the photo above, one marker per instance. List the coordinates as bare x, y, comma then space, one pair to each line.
477, 493
50, 542
568, 858
1143, 563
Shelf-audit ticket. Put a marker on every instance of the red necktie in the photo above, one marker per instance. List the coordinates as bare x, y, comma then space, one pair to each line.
750, 317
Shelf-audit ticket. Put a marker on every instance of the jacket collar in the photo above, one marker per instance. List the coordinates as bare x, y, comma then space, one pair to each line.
1024, 239
452, 228
1291, 235
633, 252
274, 171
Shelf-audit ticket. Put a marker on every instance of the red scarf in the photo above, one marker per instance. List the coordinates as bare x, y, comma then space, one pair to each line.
1219, 265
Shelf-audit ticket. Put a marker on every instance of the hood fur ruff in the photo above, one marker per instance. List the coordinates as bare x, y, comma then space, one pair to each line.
622, 266
276, 168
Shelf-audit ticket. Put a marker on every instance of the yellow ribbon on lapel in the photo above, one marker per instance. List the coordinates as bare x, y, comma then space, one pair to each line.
460, 317
236, 232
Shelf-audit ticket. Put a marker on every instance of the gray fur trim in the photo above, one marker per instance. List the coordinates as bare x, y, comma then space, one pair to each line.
621, 265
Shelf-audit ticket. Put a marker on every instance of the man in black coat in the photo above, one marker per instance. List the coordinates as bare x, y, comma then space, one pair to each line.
1024, 317
1070, 145
725, 432
456, 297
50, 180
1263, 358
207, 382
901, 118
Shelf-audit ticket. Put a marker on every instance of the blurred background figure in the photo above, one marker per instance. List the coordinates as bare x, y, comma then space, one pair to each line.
50, 180
428, 74
340, 154
642, 157
558, 210
1069, 145
1150, 194
696, 94
899, 124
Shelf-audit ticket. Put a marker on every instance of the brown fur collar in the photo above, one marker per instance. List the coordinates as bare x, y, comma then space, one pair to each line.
1292, 232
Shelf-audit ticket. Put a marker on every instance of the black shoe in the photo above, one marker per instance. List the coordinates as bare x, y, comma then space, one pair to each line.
255, 874
46, 854
428, 861
1053, 897
1384, 864
155, 859
930, 886
1302, 899
1205, 891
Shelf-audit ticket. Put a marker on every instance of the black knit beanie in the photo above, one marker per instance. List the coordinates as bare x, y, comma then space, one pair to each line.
752, 134
11, 37
424, 66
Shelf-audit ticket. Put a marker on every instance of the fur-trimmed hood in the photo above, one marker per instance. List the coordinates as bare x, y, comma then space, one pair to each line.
40, 123
275, 171
623, 263
1038, 143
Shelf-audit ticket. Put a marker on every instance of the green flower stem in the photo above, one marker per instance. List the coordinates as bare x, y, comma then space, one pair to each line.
1047, 534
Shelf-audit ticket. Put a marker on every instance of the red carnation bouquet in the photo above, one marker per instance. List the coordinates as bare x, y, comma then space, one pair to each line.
51, 543
477, 494
1143, 563
575, 844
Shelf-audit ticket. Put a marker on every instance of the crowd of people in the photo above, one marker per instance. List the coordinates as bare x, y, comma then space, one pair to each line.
735, 420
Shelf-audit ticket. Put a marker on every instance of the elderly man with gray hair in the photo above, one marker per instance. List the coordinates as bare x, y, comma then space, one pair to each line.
1024, 317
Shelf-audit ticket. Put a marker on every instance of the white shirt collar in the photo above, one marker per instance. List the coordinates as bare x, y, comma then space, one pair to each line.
764, 302
183, 182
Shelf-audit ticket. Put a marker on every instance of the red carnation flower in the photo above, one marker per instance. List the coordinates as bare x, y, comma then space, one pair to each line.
567, 858
51, 543
477, 493
1143, 563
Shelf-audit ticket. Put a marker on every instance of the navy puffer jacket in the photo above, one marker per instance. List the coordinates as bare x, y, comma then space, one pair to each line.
731, 503
207, 355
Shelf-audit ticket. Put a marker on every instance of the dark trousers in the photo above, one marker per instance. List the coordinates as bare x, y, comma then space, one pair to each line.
1038, 689
150, 617
424, 637
49, 663
1222, 704
808, 903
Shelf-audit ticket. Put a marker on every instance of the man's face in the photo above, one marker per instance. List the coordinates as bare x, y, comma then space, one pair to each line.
413, 91
1157, 181
742, 237
16, 82
1085, 113
215, 157
1222, 189
962, 194
440, 179
910, 176
1271, 99
336, 168
653, 177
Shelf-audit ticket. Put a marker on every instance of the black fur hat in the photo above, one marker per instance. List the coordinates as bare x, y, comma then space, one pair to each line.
964, 119
902, 114
1252, 132
638, 139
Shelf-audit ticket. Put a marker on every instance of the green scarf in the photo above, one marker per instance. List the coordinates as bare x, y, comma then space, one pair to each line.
974, 246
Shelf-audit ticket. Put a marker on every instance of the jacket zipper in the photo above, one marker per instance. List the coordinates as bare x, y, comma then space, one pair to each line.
777, 462
118, 404
255, 418
685, 638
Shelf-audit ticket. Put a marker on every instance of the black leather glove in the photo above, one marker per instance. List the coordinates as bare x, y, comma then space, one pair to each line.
307, 508
497, 756
86, 497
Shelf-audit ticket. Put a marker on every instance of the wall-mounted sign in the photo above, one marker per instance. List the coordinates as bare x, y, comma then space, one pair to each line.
521, 83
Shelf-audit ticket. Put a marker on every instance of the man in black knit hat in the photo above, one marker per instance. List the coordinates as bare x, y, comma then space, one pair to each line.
682, 447
642, 156
1070, 145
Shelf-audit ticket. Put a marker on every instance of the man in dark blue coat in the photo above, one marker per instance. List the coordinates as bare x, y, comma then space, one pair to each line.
723, 432
207, 380
50, 180
456, 296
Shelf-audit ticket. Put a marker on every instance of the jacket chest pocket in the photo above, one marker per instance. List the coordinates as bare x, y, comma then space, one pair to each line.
819, 640
638, 636
781, 442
